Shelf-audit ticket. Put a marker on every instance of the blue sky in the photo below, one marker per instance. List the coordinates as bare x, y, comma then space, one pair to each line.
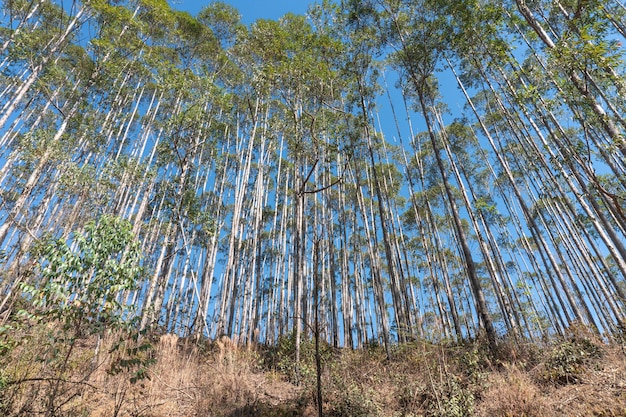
250, 10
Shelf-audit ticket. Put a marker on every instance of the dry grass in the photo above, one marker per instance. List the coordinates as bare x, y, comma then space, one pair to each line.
221, 378
512, 392
212, 380
185, 379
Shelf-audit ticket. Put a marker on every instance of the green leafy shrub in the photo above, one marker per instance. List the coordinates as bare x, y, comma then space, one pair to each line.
567, 360
452, 400
133, 356
282, 358
76, 296
82, 287
471, 363
352, 401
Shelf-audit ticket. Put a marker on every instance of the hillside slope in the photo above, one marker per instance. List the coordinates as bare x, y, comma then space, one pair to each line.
163, 375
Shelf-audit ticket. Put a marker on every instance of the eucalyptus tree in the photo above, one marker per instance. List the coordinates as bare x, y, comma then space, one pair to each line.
36, 47
262, 148
38, 65
417, 35
359, 22
192, 103
456, 146
69, 97
590, 57
576, 38
289, 80
486, 59
70, 82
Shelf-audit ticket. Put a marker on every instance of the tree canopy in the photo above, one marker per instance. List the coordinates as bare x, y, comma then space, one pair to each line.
391, 170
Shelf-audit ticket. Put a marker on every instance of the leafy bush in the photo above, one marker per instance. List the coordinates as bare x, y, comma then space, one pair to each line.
132, 356
410, 397
282, 358
76, 296
567, 360
447, 399
452, 400
82, 287
352, 401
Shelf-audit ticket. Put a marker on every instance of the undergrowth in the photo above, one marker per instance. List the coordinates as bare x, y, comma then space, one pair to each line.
180, 377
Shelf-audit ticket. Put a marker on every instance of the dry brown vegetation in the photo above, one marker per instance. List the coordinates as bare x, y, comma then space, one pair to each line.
573, 376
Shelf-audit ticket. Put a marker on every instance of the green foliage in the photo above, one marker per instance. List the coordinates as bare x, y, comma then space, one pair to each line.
568, 360
83, 285
76, 179
282, 358
77, 293
222, 18
471, 361
353, 402
452, 374
391, 176
7, 342
452, 400
409, 397
286, 355
4, 401
35, 143
133, 356
448, 398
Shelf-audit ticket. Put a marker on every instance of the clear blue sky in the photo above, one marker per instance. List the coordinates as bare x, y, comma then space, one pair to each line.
250, 10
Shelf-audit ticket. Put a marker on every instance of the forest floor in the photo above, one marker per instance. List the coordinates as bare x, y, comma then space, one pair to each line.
577, 375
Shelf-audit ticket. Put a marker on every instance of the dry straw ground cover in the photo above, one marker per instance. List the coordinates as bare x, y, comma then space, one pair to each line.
573, 376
